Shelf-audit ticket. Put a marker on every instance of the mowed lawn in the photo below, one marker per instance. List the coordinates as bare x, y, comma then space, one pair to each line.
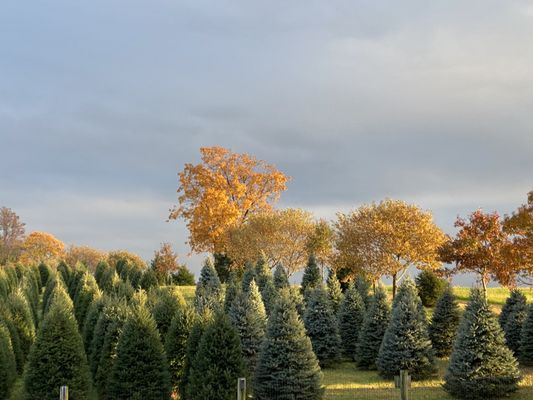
346, 382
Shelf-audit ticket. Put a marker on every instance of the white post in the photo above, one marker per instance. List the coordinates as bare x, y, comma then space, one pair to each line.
63, 393
241, 389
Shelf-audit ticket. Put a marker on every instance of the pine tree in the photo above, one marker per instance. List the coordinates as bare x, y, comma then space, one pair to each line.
525, 352
430, 287
334, 291
8, 365
363, 287
247, 314
444, 323
167, 302
321, 326
140, 369
351, 315
281, 280
176, 343
193, 341
406, 344
287, 366
481, 366
218, 363
513, 321
57, 357
312, 277
208, 294
516, 297
373, 329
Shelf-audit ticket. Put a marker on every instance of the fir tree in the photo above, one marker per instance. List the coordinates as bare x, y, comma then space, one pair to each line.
208, 294
262, 272
148, 279
362, 285
312, 277
167, 302
218, 363
22, 319
512, 327
140, 369
193, 341
248, 276
8, 366
281, 280
406, 344
87, 291
287, 365
373, 329
516, 297
321, 326
15, 342
525, 352
481, 366
233, 288
334, 291
91, 320
269, 296
430, 287
351, 315
57, 357
247, 314
176, 343
444, 323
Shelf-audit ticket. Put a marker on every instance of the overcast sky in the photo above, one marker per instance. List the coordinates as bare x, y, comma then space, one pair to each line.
103, 101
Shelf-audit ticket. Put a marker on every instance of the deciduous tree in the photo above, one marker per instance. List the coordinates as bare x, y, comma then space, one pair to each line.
41, 247
11, 235
86, 255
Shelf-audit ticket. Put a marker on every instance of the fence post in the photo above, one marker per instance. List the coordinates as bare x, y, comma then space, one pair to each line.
241, 389
63, 393
404, 385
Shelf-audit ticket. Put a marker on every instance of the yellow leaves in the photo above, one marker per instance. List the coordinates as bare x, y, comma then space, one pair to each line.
223, 191
41, 247
84, 254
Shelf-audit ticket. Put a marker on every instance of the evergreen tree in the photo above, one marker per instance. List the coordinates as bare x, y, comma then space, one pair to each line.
140, 368
176, 343
263, 274
430, 287
233, 288
481, 366
8, 366
57, 357
167, 302
334, 291
148, 280
373, 329
351, 315
91, 320
15, 342
513, 327
218, 363
44, 273
297, 299
281, 280
209, 293
516, 297
248, 316
87, 291
193, 341
269, 294
287, 366
406, 344
22, 319
525, 352
321, 326
248, 276
444, 323
222, 266
362, 285
312, 277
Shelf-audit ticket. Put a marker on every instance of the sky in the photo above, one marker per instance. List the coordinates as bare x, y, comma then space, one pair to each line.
102, 102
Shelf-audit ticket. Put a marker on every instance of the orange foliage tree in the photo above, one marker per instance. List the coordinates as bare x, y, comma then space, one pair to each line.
223, 191
385, 239
165, 260
41, 247
84, 254
113, 257
481, 246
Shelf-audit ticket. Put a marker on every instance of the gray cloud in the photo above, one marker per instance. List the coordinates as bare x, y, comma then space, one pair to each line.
102, 102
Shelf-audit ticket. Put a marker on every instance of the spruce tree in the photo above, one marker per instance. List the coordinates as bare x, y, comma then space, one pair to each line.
406, 344
167, 302
91, 320
281, 280
287, 366
15, 342
444, 323
512, 327
247, 314
525, 352
218, 363
312, 277
140, 368
481, 365
248, 275
321, 327
22, 319
193, 341
176, 343
208, 295
351, 315
233, 288
57, 357
8, 366
516, 297
334, 291
263, 274
87, 291
430, 287
363, 287
373, 329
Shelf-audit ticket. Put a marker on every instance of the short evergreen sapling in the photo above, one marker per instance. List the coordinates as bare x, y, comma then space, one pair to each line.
513, 326
481, 365
287, 366
218, 363
247, 314
350, 317
444, 323
321, 327
406, 344
373, 329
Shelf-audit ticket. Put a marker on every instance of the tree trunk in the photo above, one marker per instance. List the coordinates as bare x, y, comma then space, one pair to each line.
394, 286
484, 283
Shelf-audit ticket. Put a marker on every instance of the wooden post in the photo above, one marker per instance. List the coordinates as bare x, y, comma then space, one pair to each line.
63, 393
404, 385
241, 389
